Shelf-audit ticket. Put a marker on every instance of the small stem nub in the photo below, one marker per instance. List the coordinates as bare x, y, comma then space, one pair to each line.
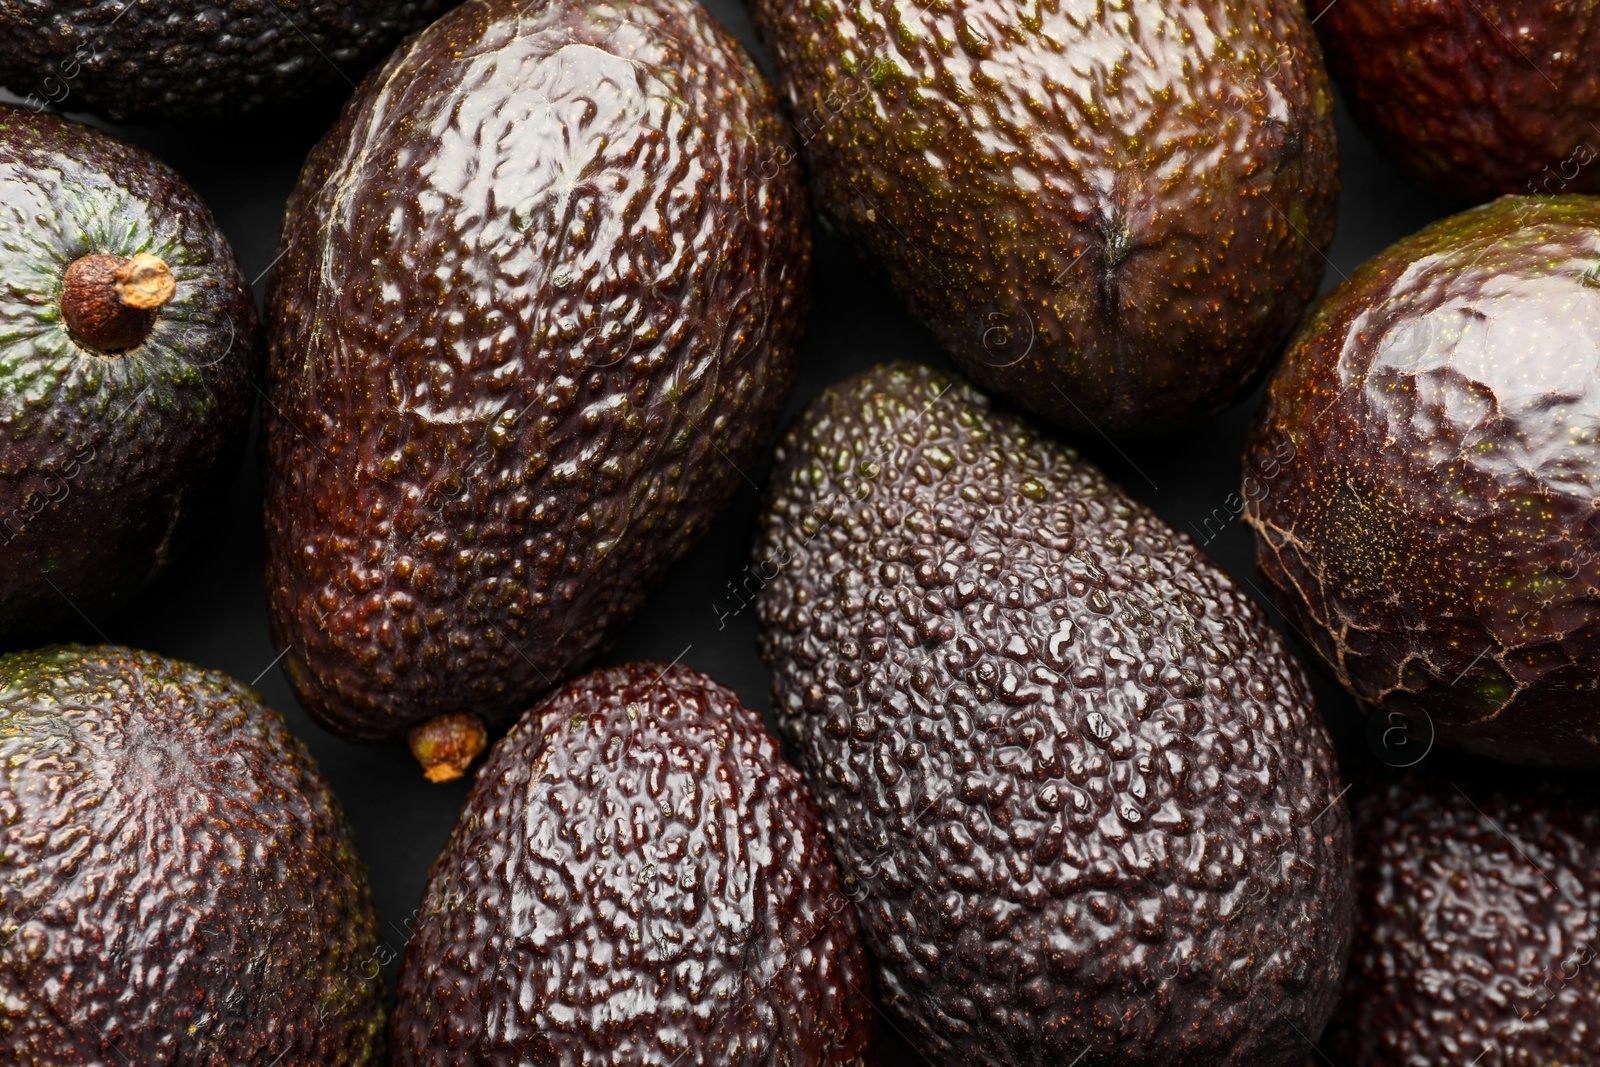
446, 745
110, 302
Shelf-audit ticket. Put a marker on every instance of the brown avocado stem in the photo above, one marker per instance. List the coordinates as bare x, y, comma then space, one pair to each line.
110, 302
446, 745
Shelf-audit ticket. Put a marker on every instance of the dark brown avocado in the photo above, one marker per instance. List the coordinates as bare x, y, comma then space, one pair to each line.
638, 879
1076, 782
1436, 538
1110, 214
177, 885
536, 312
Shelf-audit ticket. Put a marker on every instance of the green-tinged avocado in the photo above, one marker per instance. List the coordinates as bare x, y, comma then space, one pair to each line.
1472, 99
1109, 213
1435, 533
148, 61
128, 348
177, 885
1478, 925
538, 304
1074, 779
638, 879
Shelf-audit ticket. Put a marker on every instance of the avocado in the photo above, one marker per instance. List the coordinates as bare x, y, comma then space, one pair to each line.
177, 885
1476, 937
128, 353
537, 311
1436, 535
1110, 214
1075, 781
637, 878
1473, 100
138, 61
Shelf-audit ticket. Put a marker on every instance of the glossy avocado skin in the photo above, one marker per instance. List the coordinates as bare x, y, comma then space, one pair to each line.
1075, 780
637, 878
537, 309
133, 61
177, 885
1109, 214
1473, 100
107, 462
1477, 903
1435, 536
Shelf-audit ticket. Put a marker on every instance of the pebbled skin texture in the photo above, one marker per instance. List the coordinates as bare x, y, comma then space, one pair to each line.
177, 884
537, 307
637, 878
1108, 213
1477, 937
163, 60
1471, 100
1436, 539
1078, 784
107, 463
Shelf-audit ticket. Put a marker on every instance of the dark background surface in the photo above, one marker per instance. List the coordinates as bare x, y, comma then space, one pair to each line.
210, 609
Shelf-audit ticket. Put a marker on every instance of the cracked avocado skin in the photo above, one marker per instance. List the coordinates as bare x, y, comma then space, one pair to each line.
1436, 539
638, 879
537, 308
1108, 213
128, 347
177, 884
1075, 782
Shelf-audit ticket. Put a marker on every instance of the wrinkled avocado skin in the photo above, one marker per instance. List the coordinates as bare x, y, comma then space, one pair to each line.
108, 464
1078, 784
1433, 534
1108, 213
1471, 100
537, 308
638, 878
177, 884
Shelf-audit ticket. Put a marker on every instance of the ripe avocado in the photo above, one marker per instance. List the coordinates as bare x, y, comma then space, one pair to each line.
128, 350
133, 61
1077, 780
1108, 213
1437, 536
638, 878
539, 298
177, 885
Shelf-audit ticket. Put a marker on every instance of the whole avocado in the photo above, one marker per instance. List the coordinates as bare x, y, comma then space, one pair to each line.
537, 308
1074, 779
1109, 213
129, 347
177, 885
140, 61
1432, 525
637, 879
1474, 100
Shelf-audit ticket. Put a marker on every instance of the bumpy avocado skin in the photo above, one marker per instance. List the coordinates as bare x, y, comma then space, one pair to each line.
1471, 100
1477, 907
1435, 536
638, 878
177, 884
1076, 780
1108, 213
107, 463
537, 309
139, 61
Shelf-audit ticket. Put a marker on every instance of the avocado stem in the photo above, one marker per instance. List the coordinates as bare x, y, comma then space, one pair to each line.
446, 745
110, 303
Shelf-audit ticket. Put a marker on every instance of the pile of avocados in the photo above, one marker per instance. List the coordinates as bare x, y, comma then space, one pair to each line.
1040, 783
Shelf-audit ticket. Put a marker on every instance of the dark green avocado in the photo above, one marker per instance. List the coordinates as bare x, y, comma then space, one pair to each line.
177, 885
638, 879
1109, 213
1076, 782
128, 351
159, 60
1436, 535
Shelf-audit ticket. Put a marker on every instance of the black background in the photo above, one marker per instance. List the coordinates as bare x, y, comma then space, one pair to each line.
210, 608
